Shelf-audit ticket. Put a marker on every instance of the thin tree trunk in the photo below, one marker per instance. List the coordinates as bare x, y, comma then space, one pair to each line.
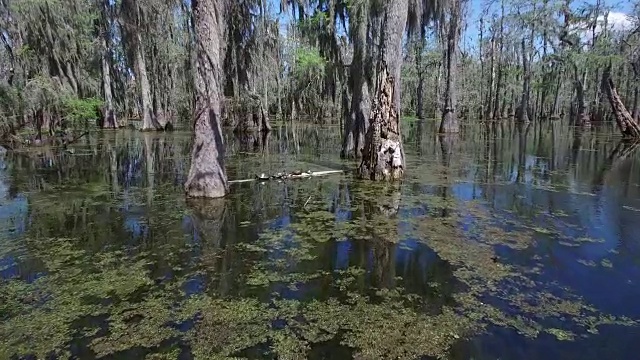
207, 176
265, 100
156, 89
546, 73
556, 96
436, 102
236, 73
503, 108
441, 73
536, 104
512, 103
420, 69
481, 69
523, 110
634, 111
492, 75
496, 102
582, 116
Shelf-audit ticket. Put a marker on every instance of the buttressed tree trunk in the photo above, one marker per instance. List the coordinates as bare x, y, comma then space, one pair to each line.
207, 176
383, 154
449, 123
628, 127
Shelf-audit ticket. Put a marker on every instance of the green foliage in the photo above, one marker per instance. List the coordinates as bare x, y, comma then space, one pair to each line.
313, 22
309, 62
308, 79
43, 92
76, 110
9, 101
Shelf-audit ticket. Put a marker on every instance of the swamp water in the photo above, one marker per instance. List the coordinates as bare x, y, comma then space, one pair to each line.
500, 243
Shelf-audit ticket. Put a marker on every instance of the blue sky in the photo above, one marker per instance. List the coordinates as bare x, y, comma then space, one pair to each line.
618, 8
474, 9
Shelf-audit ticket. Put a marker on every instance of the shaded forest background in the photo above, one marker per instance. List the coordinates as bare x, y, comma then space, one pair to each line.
66, 62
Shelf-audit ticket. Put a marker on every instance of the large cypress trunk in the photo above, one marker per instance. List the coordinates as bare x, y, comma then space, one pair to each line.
207, 176
383, 154
449, 123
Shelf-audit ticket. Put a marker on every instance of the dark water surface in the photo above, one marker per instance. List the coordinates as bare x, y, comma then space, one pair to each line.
501, 243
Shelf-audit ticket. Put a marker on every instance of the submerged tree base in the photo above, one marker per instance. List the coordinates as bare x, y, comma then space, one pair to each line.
107, 117
449, 123
383, 157
247, 114
207, 176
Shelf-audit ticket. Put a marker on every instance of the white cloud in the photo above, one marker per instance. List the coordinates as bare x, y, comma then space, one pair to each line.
616, 21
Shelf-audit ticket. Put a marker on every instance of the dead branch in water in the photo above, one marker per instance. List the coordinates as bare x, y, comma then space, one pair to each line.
288, 176
627, 125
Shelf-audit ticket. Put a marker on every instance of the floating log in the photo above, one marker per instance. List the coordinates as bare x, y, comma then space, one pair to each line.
289, 176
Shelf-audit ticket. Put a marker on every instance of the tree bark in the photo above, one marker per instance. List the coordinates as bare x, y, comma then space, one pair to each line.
134, 21
207, 176
420, 70
512, 104
627, 125
383, 155
635, 67
496, 101
634, 108
449, 122
108, 113
436, 98
358, 120
265, 88
554, 107
583, 118
492, 75
523, 110
149, 121
481, 113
